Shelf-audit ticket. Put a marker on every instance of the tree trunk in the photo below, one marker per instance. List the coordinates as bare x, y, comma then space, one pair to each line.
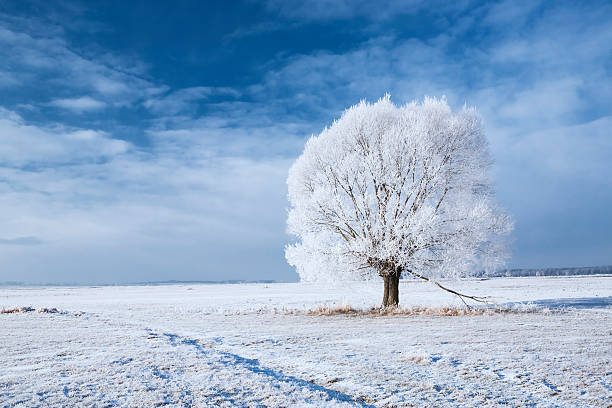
385, 301
391, 293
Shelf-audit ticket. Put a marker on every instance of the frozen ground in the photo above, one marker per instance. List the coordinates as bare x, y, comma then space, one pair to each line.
251, 345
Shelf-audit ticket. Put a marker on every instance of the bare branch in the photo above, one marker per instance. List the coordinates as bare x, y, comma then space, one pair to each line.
462, 296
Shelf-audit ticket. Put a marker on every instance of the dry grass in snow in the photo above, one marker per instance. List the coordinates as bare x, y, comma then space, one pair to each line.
347, 310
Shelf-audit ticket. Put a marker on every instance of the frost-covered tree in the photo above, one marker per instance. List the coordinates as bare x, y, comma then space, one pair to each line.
390, 190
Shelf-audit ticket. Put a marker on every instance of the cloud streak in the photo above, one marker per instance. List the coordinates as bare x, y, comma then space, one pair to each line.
27, 145
185, 99
26, 241
47, 57
78, 105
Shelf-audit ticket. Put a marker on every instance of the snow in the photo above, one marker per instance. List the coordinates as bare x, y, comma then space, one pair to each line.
253, 345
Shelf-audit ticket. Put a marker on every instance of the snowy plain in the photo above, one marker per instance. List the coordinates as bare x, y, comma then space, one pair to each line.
253, 345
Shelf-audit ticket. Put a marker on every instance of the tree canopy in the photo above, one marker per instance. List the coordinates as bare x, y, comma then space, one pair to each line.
388, 189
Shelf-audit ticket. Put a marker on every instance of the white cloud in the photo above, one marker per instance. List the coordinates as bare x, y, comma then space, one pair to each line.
574, 154
106, 78
511, 12
78, 105
21, 241
8, 79
22, 144
546, 103
325, 10
84, 195
185, 99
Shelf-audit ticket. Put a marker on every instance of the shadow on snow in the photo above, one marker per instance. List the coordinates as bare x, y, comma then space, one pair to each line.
576, 303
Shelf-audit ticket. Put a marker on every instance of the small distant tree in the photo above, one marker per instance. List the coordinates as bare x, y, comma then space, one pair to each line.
392, 191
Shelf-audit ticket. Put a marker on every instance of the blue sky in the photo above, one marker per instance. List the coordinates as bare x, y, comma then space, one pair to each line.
145, 141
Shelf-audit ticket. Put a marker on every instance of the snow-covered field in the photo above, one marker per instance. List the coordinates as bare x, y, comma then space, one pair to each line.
252, 345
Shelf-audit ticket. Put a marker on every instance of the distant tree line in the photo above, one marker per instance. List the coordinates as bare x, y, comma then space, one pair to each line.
588, 270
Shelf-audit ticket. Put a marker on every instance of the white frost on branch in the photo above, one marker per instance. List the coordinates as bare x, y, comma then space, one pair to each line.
389, 188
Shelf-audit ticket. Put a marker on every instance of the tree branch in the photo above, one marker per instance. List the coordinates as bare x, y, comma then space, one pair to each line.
480, 299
